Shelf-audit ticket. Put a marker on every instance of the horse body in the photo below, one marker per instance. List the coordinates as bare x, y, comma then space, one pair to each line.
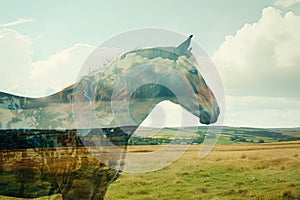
143, 77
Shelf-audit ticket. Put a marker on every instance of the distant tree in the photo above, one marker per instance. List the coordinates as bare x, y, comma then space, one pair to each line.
261, 141
233, 138
199, 138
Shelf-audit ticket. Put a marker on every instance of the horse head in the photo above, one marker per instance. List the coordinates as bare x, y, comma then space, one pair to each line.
133, 83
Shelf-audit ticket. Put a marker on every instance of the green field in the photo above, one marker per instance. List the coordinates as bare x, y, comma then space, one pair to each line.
246, 163
238, 171
229, 135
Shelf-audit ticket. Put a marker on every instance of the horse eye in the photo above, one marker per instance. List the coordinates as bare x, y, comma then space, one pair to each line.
193, 72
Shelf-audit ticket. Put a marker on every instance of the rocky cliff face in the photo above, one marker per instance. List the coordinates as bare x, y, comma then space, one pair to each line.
37, 163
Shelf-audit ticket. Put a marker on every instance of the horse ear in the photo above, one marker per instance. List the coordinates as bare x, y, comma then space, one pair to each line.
185, 45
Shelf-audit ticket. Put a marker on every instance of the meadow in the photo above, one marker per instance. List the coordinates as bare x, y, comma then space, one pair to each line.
231, 171
237, 171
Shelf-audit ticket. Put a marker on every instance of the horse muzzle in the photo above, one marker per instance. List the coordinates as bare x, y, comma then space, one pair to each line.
209, 117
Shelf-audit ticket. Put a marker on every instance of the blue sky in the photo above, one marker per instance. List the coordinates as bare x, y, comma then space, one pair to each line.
57, 25
39, 39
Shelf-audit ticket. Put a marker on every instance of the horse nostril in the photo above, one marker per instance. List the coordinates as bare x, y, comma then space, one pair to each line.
205, 117
218, 110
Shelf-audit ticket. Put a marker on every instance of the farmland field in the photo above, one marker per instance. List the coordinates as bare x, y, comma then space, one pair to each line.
231, 171
237, 171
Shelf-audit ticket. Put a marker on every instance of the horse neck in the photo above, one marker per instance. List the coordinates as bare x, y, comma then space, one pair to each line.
145, 99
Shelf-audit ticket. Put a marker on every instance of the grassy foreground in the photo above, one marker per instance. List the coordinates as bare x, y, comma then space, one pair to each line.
238, 171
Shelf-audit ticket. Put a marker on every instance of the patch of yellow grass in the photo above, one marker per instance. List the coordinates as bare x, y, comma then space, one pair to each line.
238, 171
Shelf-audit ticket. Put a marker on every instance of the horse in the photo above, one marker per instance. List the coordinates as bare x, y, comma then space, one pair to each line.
74, 142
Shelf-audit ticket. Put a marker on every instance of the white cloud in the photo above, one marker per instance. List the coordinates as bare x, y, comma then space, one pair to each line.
19, 75
286, 3
260, 67
15, 59
60, 69
16, 22
263, 58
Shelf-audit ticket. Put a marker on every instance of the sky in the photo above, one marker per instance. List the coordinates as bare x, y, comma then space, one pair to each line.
253, 44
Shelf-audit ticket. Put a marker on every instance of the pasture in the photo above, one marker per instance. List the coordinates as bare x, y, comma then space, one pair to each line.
236, 171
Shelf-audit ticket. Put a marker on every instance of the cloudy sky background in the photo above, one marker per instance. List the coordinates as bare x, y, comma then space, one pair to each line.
254, 45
